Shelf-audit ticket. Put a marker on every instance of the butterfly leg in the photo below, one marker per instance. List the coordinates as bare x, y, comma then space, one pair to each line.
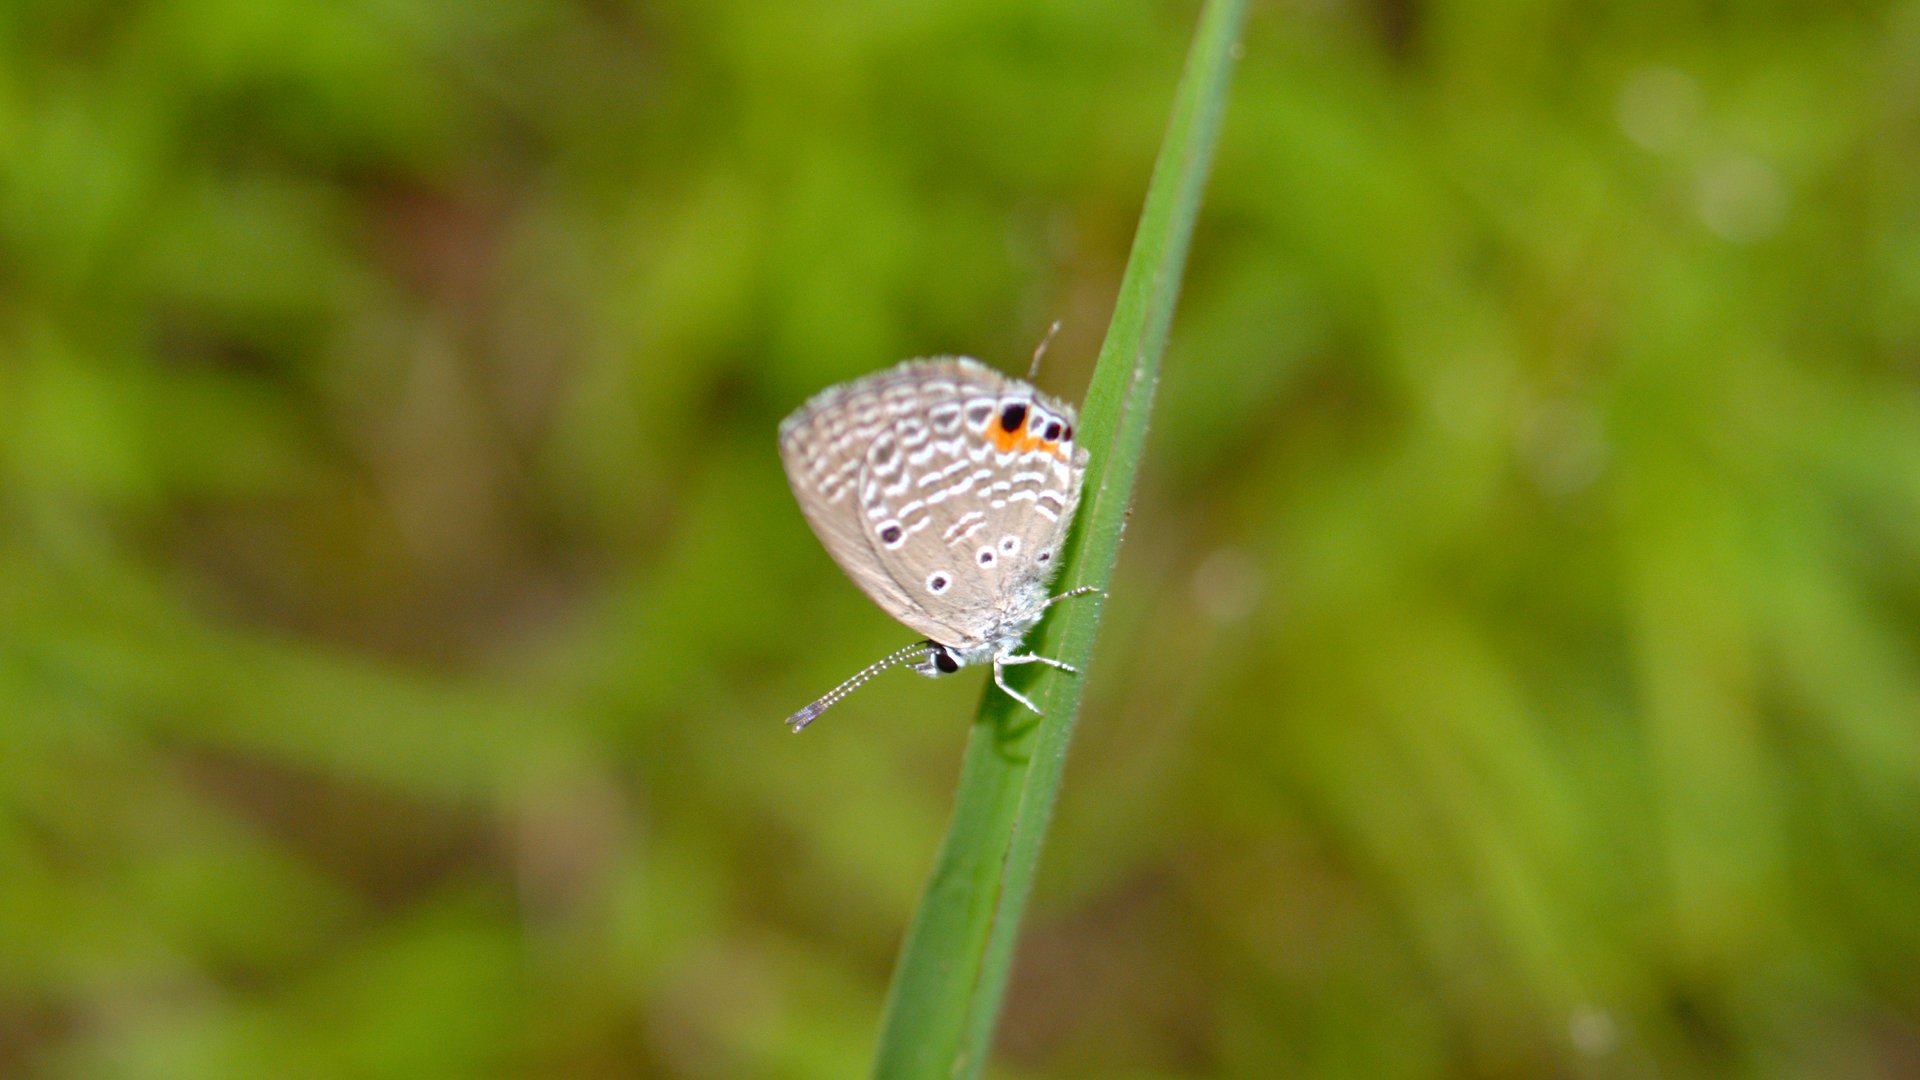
1000, 681
1071, 593
1029, 658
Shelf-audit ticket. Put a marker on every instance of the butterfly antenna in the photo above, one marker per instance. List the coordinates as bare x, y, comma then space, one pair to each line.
1034, 368
799, 721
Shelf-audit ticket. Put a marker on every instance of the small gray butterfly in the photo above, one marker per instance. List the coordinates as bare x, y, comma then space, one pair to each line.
944, 489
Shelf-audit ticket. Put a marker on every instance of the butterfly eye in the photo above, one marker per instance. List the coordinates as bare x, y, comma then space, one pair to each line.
945, 662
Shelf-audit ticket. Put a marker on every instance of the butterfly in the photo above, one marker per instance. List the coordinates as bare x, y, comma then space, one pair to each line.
945, 490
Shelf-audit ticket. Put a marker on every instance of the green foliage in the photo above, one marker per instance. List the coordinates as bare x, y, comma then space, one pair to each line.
1512, 671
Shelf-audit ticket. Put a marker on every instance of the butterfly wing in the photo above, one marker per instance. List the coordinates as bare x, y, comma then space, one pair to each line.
982, 499
825, 446
938, 486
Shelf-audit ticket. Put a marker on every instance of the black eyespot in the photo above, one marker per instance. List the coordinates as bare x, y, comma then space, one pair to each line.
938, 582
986, 556
890, 534
1013, 416
1053, 430
1045, 556
1067, 432
945, 662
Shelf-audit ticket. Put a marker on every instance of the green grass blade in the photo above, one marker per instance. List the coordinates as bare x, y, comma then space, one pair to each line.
952, 975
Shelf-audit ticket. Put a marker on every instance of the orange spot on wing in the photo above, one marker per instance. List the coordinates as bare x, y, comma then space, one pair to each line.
1019, 441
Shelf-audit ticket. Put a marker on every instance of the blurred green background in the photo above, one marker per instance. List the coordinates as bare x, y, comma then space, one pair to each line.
1511, 671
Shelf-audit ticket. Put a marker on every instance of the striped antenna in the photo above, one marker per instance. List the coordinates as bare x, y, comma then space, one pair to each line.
799, 721
1034, 368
